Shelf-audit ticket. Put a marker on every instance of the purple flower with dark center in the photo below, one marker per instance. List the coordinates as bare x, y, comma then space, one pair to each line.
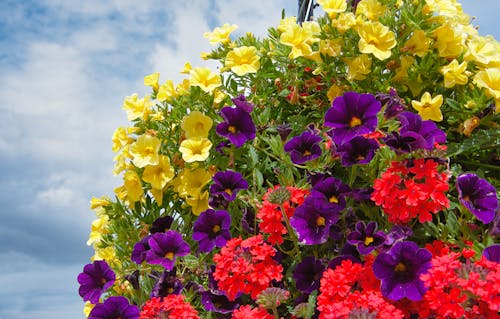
113, 308
492, 253
96, 278
248, 222
238, 126
133, 279
284, 130
417, 134
312, 220
307, 274
161, 224
167, 284
217, 302
304, 148
359, 150
228, 184
366, 237
218, 201
351, 115
241, 102
212, 229
333, 191
140, 250
397, 233
478, 196
400, 268
393, 103
165, 247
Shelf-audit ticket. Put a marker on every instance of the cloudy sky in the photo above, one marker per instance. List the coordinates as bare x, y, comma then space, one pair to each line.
65, 67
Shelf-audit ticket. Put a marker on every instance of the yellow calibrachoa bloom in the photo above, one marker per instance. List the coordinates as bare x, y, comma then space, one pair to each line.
159, 175
88, 308
448, 43
358, 67
483, 50
166, 92
120, 139
121, 160
97, 203
300, 39
287, 23
489, 79
376, 39
187, 68
417, 44
220, 34
195, 149
108, 254
243, 60
196, 124
198, 203
330, 47
205, 79
145, 151
136, 107
133, 186
332, 7
190, 182
429, 108
152, 80
454, 74
98, 229
371, 9
344, 22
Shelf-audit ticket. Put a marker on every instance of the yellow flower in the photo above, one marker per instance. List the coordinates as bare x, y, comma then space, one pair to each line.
243, 60
196, 124
195, 150
332, 7
330, 47
108, 254
120, 139
96, 203
220, 34
198, 203
88, 308
152, 80
219, 96
205, 79
344, 22
190, 182
121, 160
376, 39
299, 39
333, 92
448, 43
429, 108
489, 79
158, 195
187, 68
145, 150
371, 9
166, 92
136, 107
133, 186
418, 43
358, 67
448, 8
483, 50
159, 175
454, 74
98, 228
287, 23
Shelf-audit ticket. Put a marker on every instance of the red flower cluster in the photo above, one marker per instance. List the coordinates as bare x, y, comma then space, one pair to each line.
271, 215
246, 266
172, 307
461, 290
340, 296
247, 312
411, 188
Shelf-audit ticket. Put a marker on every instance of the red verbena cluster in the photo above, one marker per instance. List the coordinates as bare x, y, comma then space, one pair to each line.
246, 266
171, 306
276, 202
410, 189
247, 312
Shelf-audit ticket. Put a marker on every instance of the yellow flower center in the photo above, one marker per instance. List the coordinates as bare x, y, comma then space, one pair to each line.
400, 267
306, 153
360, 157
466, 198
368, 240
149, 150
199, 126
229, 191
355, 121
216, 229
333, 199
320, 221
231, 129
170, 255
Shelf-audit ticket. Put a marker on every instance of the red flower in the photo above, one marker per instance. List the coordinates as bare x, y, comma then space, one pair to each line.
411, 189
172, 307
246, 312
246, 266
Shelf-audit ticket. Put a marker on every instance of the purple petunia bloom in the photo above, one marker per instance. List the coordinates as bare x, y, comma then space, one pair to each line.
113, 308
217, 302
96, 278
228, 184
333, 191
284, 130
140, 250
304, 148
238, 126
351, 115
241, 102
393, 103
312, 220
161, 224
366, 237
492, 253
167, 284
359, 150
348, 252
478, 196
165, 247
248, 221
212, 229
307, 274
400, 268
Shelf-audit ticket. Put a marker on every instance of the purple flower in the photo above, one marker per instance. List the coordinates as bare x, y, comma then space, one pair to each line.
140, 250
161, 224
228, 184
312, 220
393, 103
492, 253
165, 247
366, 237
217, 302
212, 229
304, 147
478, 196
348, 252
307, 274
284, 130
113, 308
167, 284
96, 278
359, 150
351, 115
241, 102
333, 191
238, 126
248, 222
400, 268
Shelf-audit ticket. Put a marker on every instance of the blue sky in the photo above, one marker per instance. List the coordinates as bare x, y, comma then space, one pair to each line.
65, 68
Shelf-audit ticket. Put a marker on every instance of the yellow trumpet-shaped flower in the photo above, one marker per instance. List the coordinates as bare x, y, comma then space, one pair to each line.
145, 150
371, 9
429, 108
489, 79
96, 203
287, 23
196, 124
205, 79
152, 80
136, 107
120, 139
300, 39
121, 160
166, 92
88, 308
133, 186
159, 175
418, 44
377, 39
454, 74
332, 7
344, 22
483, 50
243, 60
191, 182
98, 228
220, 34
448, 42
195, 150
198, 203
358, 67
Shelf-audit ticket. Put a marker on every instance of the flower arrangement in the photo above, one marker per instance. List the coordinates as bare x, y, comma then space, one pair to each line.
340, 168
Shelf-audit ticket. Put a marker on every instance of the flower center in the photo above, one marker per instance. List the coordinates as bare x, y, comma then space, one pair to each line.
359, 157
199, 126
149, 150
306, 153
355, 121
170, 255
400, 267
320, 221
216, 229
333, 199
231, 129
229, 191
368, 240
466, 198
